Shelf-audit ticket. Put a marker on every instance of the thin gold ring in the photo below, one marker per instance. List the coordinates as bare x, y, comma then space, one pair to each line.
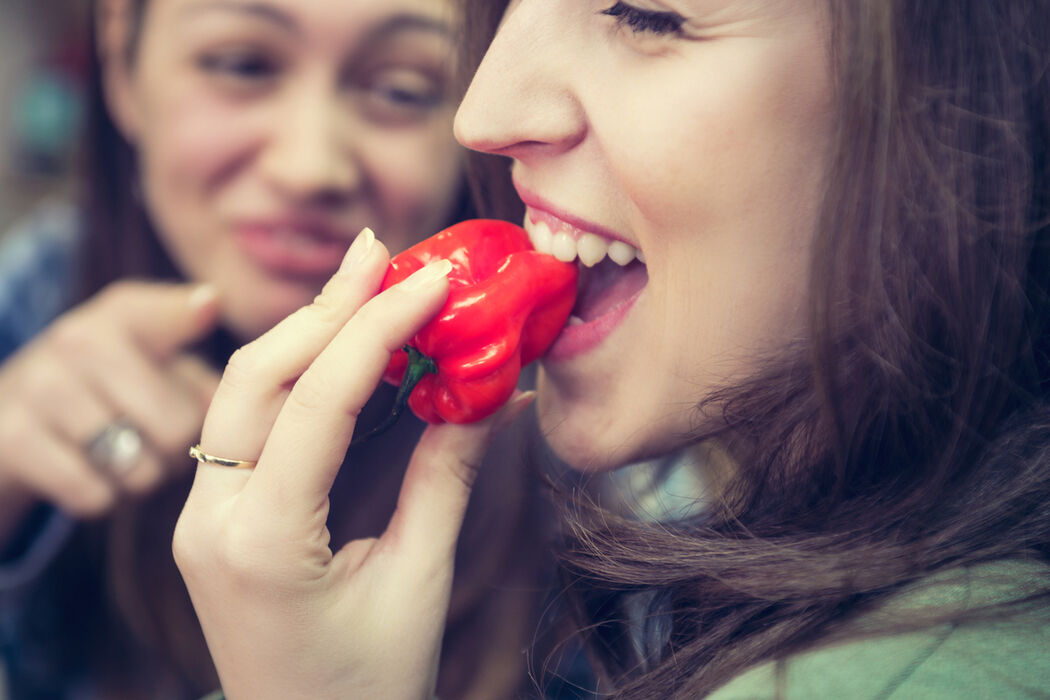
201, 456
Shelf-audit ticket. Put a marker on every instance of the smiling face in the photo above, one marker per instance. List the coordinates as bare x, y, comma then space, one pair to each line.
692, 134
269, 133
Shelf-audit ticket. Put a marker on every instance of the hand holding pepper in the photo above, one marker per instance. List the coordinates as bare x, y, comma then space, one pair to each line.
285, 615
506, 305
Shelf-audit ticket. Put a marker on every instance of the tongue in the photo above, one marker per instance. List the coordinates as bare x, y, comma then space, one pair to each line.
605, 286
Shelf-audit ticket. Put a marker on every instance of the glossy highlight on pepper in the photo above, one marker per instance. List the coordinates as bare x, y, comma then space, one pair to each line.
506, 305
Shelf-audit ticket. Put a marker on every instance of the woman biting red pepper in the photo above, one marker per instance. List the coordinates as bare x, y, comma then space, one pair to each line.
506, 305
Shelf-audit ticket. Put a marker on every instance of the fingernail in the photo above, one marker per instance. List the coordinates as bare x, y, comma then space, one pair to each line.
204, 295
433, 272
358, 250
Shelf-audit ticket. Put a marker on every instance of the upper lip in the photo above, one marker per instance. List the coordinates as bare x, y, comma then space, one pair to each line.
314, 225
534, 201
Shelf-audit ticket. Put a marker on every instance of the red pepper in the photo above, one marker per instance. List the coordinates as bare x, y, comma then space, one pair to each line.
506, 305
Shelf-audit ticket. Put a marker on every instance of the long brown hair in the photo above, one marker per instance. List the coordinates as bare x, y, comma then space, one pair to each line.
113, 608
909, 434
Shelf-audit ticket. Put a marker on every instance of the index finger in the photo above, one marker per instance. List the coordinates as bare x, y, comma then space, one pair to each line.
312, 432
160, 317
259, 376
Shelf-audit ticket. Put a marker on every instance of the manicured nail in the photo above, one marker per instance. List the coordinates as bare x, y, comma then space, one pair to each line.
433, 272
204, 295
358, 250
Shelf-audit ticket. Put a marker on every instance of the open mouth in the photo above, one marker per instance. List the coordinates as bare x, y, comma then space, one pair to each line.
612, 274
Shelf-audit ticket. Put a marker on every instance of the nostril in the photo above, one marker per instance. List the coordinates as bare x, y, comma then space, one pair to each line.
328, 198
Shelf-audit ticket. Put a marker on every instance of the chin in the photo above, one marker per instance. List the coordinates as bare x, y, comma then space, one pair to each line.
579, 439
591, 435
587, 459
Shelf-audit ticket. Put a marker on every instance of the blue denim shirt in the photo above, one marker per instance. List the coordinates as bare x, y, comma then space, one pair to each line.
37, 260
36, 273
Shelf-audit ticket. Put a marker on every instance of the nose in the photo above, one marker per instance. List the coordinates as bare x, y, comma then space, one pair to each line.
310, 154
521, 102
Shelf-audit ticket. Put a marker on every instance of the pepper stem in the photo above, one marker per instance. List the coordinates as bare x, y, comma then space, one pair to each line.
419, 366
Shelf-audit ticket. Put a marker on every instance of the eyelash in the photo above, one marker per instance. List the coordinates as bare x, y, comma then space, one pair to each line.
642, 21
243, 66
409, 99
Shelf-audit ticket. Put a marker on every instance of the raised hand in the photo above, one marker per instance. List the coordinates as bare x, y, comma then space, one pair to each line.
284, 616
112, 374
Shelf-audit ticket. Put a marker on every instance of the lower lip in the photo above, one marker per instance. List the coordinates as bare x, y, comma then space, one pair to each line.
578, 339
308, 256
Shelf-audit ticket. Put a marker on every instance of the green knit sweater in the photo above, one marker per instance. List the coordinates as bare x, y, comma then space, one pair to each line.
1000, 659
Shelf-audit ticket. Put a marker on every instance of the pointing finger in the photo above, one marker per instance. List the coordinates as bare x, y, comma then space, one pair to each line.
161, 318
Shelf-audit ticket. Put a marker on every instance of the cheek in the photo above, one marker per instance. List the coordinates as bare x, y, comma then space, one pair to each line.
727, 208
748, 139
191, 144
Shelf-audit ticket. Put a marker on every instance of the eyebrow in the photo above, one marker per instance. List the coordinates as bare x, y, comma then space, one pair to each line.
256, 9
410, 22
390, 26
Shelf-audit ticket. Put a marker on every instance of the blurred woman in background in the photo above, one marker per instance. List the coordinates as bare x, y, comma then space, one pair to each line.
234, 151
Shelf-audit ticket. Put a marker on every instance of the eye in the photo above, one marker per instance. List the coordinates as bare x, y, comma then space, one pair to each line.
406, 90
241, 65
642, 21
399, 95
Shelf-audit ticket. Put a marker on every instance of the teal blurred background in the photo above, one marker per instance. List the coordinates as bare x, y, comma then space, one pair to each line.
43, 63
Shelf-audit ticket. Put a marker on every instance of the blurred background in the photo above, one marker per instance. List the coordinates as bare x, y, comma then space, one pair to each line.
43, 64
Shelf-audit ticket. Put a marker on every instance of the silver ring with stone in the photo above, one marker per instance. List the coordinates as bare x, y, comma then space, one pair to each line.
116, 449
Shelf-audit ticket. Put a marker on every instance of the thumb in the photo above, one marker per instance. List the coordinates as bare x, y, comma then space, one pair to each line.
162, 317
438, 483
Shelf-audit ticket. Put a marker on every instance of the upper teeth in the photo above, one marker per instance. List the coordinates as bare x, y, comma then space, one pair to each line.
591, 249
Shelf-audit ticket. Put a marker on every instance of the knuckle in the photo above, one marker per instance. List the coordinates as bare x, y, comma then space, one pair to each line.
327, 307
189, 541
464, 471
242, 553
233, 551
245, 366
41, 380
80, 342
69, 335
117, 293
188, 544
15, 422
309, 396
